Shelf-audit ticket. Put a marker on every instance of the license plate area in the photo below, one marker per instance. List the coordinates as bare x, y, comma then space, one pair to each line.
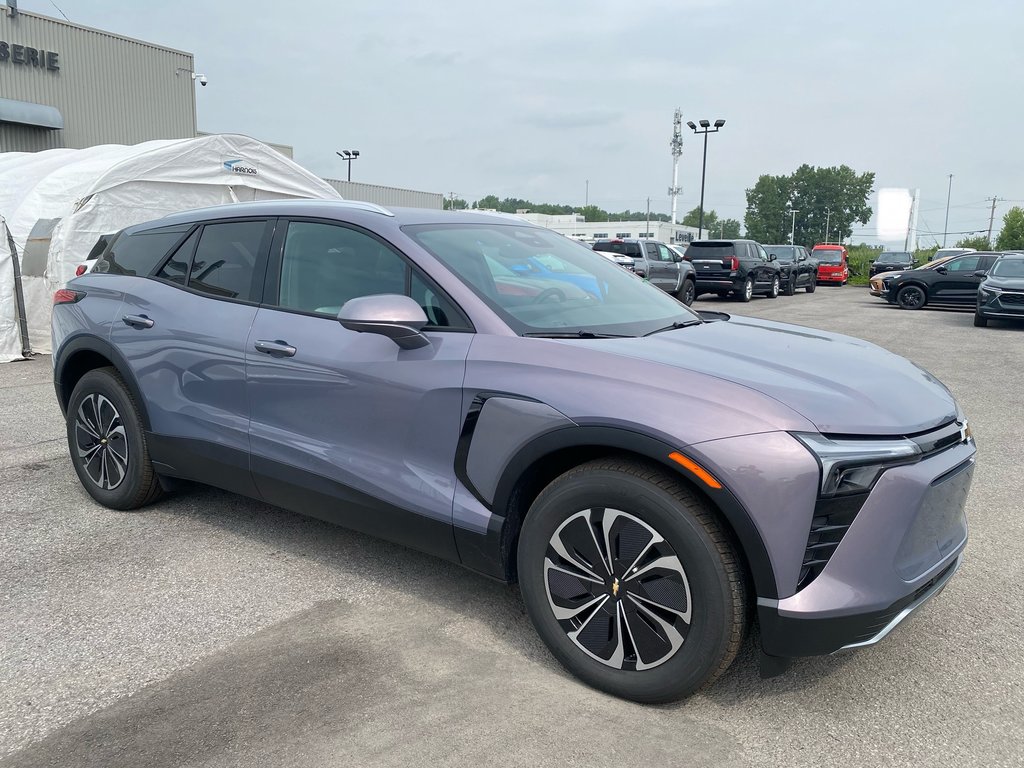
940, 526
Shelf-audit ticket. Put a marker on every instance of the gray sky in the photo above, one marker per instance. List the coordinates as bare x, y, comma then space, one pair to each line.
531, 99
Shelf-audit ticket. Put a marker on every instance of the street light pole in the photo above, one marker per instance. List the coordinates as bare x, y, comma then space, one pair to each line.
828, 215
792, 227
706, 129
349, 155
945, 227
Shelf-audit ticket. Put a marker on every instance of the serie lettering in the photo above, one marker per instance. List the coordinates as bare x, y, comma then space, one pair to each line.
28, 56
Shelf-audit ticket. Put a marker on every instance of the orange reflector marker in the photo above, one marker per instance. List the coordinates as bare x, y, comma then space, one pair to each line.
697, 469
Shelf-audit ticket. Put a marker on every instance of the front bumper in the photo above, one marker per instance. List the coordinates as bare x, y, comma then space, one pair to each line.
831, 277
902, 548
1008, 305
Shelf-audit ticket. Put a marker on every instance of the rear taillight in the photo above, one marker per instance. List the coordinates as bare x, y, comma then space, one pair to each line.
81, 270
731, 263
67, 296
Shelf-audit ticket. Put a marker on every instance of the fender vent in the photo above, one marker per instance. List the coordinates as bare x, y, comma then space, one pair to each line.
832, 519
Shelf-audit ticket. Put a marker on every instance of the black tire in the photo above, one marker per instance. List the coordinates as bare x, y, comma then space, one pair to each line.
773, 292
107, 443
687, 292
747, 291
714, 593
813, 284
911, 297
791, 285
980, 321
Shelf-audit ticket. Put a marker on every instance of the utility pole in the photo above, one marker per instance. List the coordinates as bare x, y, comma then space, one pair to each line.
451, 201
910, 224
586, 197
945, 227
828, 215
991, 218
677, 150
792, 228
647, 226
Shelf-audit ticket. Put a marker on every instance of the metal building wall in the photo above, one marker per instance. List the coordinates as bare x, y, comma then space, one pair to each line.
110, 89
393, 196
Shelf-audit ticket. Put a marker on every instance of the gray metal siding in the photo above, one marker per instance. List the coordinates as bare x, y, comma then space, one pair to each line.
393, 196
110, 89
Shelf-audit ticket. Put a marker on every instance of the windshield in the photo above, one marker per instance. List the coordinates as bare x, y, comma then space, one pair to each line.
784, 254
894, 257
625, 249
828, 256
540, 282
1008, 268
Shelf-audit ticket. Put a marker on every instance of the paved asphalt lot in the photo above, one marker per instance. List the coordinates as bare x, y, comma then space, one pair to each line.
210, 630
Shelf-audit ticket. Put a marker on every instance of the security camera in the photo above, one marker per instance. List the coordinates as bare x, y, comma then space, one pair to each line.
202, 80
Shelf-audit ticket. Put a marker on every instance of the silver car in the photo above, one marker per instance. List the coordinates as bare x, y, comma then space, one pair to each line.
499, 396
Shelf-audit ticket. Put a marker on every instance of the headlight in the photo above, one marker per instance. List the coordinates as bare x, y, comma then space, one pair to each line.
853, 466
991, 289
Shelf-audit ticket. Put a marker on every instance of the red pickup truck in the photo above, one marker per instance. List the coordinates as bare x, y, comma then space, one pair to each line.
832, 263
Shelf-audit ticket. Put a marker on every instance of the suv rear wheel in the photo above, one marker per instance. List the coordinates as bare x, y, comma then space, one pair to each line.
107, 443
631, 581
813, 284
747, 291
773, 292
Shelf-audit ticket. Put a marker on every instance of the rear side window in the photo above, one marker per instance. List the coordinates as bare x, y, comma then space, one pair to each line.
225, 261
626, 249
139, 252
712, 251
176, 268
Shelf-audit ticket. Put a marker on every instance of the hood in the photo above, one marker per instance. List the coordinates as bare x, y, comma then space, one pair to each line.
840, 384
1013, 283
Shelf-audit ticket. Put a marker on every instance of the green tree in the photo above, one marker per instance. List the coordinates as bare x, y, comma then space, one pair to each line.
458, 204
978, 243
593, 213
729, 229
827, 202
692, 219
1012, 235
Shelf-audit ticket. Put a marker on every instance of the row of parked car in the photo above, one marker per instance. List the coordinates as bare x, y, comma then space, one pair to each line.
990, 282
728, 268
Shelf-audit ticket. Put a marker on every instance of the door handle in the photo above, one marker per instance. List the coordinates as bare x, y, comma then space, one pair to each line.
276, 348
137, 321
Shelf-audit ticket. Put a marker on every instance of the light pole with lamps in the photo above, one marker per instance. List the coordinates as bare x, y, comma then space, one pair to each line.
792, 226
349, 155
706, 129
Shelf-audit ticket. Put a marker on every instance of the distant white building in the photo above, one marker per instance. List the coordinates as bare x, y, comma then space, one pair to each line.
575, 226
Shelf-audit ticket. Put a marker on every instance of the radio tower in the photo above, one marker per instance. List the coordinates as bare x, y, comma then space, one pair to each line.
677, 151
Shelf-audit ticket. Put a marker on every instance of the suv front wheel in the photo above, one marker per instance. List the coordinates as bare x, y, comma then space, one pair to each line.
631, 581
107, 443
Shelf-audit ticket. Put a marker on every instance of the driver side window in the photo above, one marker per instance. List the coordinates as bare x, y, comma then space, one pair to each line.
325, 265
963, 264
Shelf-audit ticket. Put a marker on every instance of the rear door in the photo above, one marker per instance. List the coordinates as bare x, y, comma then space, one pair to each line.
655, 268
183, 332
764, 269
347, 426
670, 268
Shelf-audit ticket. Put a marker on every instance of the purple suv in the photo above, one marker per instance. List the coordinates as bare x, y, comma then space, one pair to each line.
652, 478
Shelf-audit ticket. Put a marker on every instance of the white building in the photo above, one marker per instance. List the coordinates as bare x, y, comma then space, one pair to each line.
575, 226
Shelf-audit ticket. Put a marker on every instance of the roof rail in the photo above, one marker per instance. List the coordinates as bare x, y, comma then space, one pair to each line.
364, 206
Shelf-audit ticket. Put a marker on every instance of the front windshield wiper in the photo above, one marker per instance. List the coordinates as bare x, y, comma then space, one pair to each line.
674, 326
580, 334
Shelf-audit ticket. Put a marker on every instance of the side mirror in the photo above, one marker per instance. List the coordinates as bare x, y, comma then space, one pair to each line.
676, 258
397, 317
802, 257
980, 273
771, 257
942, 270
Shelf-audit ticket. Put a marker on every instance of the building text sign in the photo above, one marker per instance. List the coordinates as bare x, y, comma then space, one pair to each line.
27, 56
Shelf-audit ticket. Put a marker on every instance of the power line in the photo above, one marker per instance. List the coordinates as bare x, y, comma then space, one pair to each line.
60, 11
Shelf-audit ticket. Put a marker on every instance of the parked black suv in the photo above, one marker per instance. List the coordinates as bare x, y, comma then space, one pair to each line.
738, 267
796, 267
955, 283
656, 262
892, 261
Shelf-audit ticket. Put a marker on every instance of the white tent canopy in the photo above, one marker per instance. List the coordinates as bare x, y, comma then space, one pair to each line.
54, 205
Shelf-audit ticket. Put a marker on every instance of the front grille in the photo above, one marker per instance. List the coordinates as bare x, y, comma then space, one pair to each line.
1012, 298
832, 519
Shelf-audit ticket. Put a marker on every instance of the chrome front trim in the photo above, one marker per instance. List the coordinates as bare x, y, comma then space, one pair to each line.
906, 612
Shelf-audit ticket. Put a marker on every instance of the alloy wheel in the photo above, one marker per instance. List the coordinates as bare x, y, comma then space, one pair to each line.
748, 289
617, 589
101, 442
911, 297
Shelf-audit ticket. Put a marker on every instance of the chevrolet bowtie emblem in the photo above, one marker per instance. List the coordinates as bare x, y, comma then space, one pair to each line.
615, 588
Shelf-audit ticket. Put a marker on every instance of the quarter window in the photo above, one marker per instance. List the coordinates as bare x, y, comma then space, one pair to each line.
225, 260
139, 252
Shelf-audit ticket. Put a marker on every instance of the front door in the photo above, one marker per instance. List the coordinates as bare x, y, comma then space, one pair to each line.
956, 283
348, 426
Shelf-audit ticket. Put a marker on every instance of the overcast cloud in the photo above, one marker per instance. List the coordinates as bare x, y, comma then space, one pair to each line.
532, 99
